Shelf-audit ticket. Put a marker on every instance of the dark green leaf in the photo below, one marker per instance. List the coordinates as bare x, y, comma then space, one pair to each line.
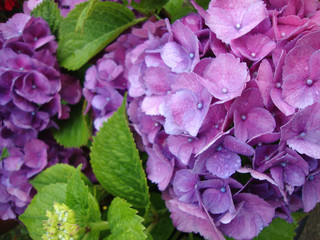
178, 9
35, 214
203, 3
77, 195
124, 222
100, 22
115, 161
59, 173
4, 153
148, 6
164, 222
49, 11
75, 131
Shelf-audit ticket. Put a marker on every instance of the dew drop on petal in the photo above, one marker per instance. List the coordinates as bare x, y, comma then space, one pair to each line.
238, 26
311, 177
156, 124
243, 117
199, 106
278, 85
108, 99
190, 139
302, 134
253, 54
191, 55
216, 126
219, 148
309, 82
224, 90
283, 34
34, 86
35, 39
283, 164
33, 113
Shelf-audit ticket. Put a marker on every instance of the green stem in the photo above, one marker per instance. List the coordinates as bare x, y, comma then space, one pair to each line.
99, 226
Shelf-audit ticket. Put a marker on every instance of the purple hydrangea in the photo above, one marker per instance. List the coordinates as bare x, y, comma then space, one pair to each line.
216, 96
31, 95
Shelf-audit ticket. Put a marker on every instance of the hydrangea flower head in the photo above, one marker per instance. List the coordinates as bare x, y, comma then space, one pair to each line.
61, 223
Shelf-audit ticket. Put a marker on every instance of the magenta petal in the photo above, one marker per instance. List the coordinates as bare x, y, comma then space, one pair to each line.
232, 19
251, 219
216, 201
265, 81
176, 57
158, 80
311, 193
225, 77
159, 168
223, 163
191, 218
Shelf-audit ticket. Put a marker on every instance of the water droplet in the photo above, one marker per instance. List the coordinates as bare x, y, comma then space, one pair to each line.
156, 124
238, 26
191, 55
108, 99
199, 106
259, 144
35, 39
311, 177
34, 86
223, 189
309, 82
278, 85
253, 54
190, 139
243, 117
20, 31
219, 148
21, 69
302, 134
33, 113
283, 34
283, 164
216, 126
224, 90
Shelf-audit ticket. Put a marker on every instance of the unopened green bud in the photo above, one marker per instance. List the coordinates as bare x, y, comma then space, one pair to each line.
61, 224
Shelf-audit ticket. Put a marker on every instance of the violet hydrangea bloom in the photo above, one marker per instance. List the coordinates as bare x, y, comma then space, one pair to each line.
207, 112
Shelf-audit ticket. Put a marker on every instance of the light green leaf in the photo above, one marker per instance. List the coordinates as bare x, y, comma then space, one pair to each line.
35, 214
75, 131
100, 24
58, 173
49, 11
279, 229
178, 9
4, 153
77, 196
116, 163
124, 222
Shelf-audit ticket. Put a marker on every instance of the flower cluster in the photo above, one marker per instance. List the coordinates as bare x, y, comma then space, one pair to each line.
226, 102
61, 223
31, 91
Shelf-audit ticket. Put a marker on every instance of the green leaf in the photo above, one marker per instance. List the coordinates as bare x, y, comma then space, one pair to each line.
279, 229
203, 3
4, 153
77, 196
124, 222
163, 220
178, 9
49, 11
116, 163
35, 214
75, 131
148, 6
100, 22
58, 173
